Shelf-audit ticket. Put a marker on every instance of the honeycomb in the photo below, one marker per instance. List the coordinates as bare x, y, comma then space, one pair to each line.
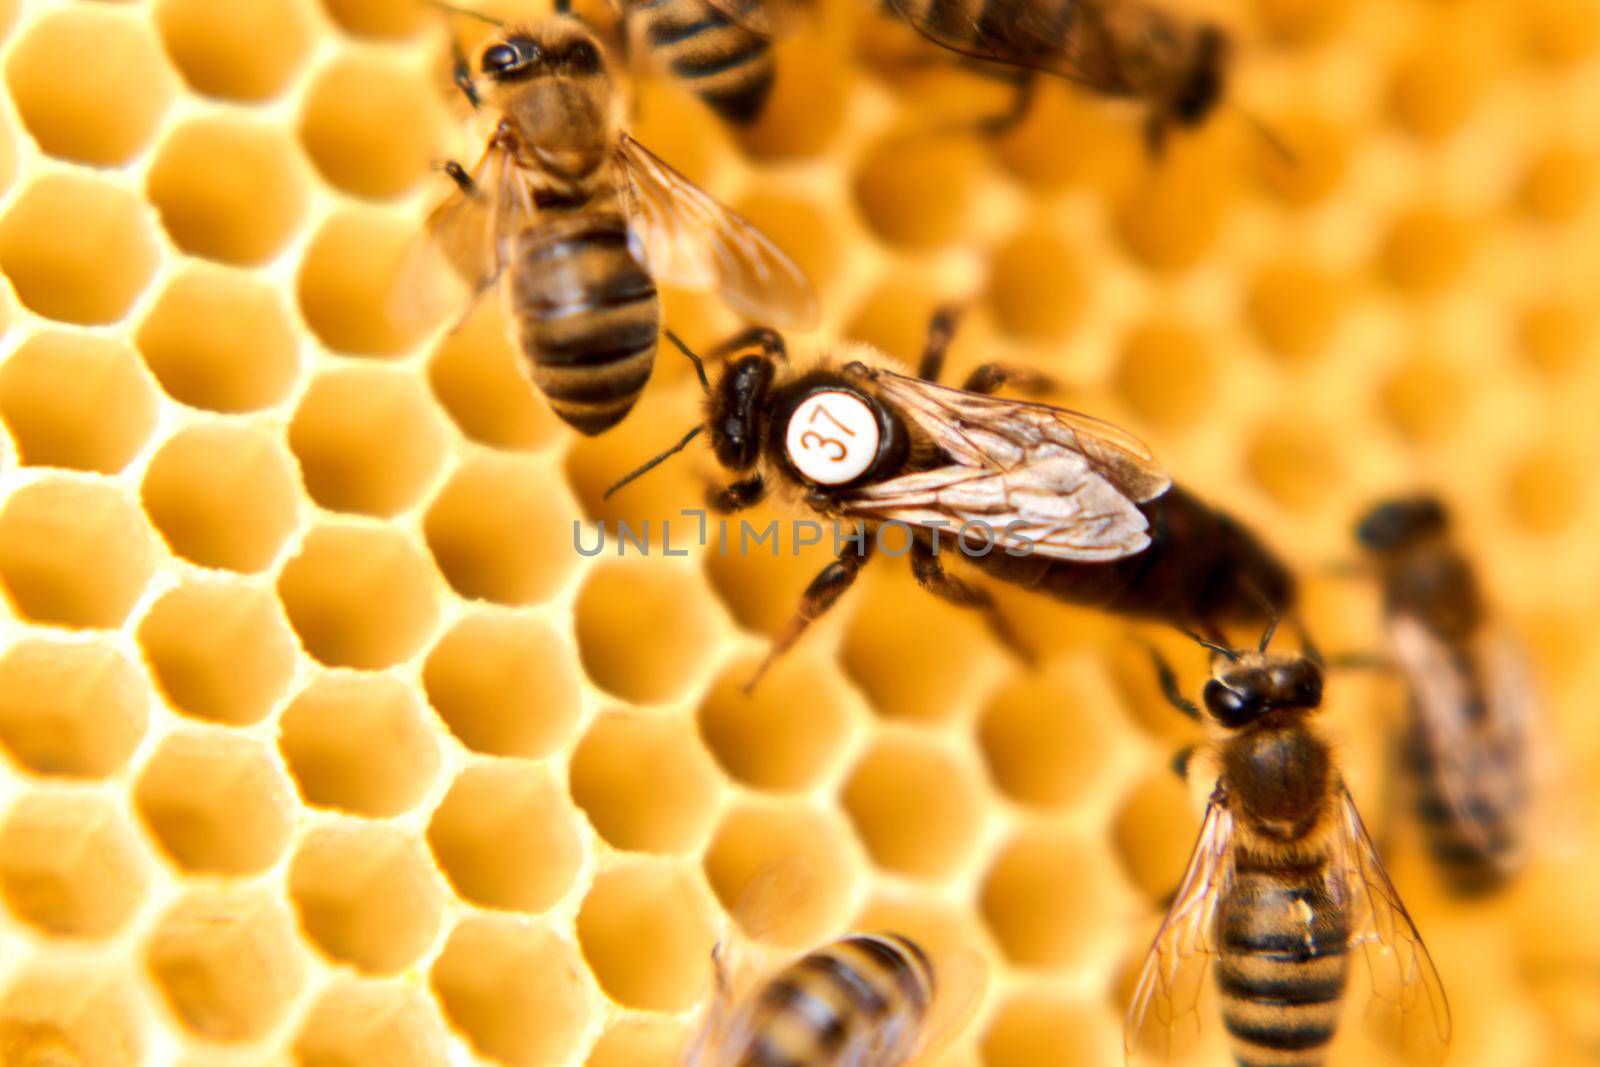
322, 744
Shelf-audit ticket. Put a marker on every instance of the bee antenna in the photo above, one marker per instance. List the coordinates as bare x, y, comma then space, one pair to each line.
699, 364
1270, 136
655, 462
456, 9
1230, 654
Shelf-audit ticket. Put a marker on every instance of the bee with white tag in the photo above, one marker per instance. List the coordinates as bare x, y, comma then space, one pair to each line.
1033, 495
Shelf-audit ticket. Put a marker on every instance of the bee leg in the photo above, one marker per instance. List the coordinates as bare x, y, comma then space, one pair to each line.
1169, 685
1181, 760
941, 331
823, 592
458, 174
1155, 137
931, 575
769, 341
461, 73
997, 125
991, 376
736, 496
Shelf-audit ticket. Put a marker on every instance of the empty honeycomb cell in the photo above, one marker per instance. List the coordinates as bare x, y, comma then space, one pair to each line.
356, 1021
1426, 397
645, 782
1170, 216
216, 802
76, 401
1166, 373
227, 963
1556, 334
1546, 489
646, 930
221, 341
70, 865
367, 896
502, 530
71, 709
1426, 250
1296, 461
480, 380
1560, 32
808, 103
1044, 737
1039, 1027
346, 280
369, 125
246, 50
920, 672
802, 228
1319, 151
1301, 22
505, 686
88, 273
783, 871
359, 597
759, 587
1037, 289
514, 991
594, 464
1436, 88
1295, 306
222, 496
368, 440
916, 808
1154, 833
1558, 184
359, 743
1046, 899
73, 553
1045, 150
103, 112
507, 837
229, 189
640, 1042
785, 735
916, 189
71, 1012
379, 18
644, 629
219, 650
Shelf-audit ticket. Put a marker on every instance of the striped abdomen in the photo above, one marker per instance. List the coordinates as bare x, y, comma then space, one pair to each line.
1282, 965
727, 66
861, 1000
1477, 849
588, 317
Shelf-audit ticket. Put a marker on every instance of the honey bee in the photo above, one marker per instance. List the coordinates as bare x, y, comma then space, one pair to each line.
1284, 889
720, 49
1466, 745
865, 1000
1121, 48
584, 221
1034, 495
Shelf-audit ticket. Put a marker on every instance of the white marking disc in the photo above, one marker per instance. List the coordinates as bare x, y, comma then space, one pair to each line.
832, 437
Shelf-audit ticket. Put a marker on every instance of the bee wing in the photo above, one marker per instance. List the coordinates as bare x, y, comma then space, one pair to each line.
1408, 1006
772, 19
1477, 756
1068, 38
1174, 976
684, 237
961, 978
463, 245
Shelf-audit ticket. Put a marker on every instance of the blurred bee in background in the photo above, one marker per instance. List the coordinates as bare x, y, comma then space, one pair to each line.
1466, 746
1283, 889
720, 49
1121, 48
865, 1000
583, 221
1059, 502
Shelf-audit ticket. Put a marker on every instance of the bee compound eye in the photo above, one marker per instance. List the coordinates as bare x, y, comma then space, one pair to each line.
1228, 707
832, 437
499, 58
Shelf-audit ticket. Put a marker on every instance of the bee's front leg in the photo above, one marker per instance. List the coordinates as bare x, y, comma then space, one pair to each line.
823, 593
990, 377
736, 496
931, 575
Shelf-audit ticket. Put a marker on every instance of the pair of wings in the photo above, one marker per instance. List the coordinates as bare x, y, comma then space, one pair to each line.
1407, 1005
1481, 760
1067, 38
676, 230
1043, 480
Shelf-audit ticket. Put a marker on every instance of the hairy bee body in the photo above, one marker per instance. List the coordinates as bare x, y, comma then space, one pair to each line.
1477, 859
587, 316
728, 66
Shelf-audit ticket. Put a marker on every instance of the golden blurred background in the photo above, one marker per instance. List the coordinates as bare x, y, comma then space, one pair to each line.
323, 746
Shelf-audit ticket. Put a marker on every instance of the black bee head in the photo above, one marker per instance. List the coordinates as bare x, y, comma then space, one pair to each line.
736, 409
1245, 689
1399, 524
1202, 87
